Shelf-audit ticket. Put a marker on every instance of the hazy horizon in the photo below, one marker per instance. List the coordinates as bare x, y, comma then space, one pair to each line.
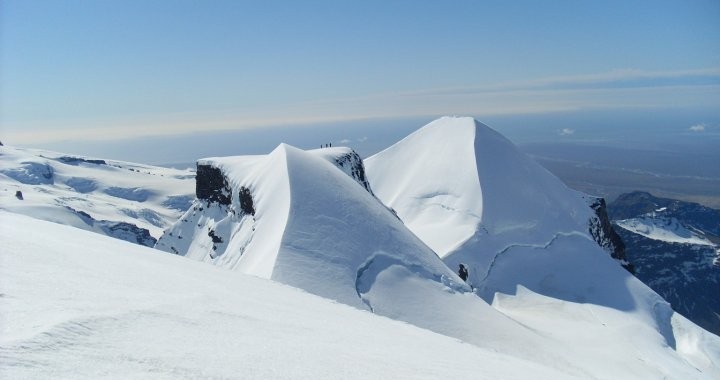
115, 70
168, 82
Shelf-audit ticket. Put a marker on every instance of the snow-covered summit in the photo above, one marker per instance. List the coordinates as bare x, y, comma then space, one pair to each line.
468, 192
296, 217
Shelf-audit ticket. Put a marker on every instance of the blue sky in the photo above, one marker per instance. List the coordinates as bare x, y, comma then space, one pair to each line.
112, 70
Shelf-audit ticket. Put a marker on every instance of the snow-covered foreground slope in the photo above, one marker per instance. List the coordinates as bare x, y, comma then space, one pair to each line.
78, 305
133, 202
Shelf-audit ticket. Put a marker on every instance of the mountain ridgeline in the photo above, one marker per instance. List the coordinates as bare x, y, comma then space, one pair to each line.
383, 235
386, 235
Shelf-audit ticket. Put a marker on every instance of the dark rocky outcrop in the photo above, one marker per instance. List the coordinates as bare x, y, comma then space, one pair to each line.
119, 230
19, 195
128, 232
211, 185
70, 160
602, 231
246, 201
354, 164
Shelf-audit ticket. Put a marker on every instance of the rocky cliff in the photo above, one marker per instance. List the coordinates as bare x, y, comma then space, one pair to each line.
602, 231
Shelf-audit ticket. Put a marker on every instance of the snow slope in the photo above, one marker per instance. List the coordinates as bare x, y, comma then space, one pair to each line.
471, 195
129, 201
77, 305
669, 230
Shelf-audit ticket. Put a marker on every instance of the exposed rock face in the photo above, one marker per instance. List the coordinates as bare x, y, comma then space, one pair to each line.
128, 232
211, 185
601, 229
119, 230
213, 212
352, 164
246, 201
70, 160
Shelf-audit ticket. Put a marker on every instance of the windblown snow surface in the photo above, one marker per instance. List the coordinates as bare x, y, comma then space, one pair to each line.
133, 202
78, 305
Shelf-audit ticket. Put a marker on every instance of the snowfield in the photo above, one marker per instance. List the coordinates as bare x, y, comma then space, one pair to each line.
133, 202
665, 229
77, 305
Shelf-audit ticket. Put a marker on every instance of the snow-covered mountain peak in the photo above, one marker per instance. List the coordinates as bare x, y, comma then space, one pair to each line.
273, 216
431, 179
456, 180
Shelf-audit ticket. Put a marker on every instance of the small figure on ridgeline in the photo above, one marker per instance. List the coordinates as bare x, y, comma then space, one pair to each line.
463, 272
331, 145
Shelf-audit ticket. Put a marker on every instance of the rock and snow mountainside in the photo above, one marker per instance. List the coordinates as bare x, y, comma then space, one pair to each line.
673, 245
78, 305
302, 219
133, 202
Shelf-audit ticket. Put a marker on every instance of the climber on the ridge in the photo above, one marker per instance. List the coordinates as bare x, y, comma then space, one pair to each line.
463, 272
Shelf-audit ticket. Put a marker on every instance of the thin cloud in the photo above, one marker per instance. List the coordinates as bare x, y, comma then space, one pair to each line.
698, 128
567, 132
625, 89
345, 141
620, 77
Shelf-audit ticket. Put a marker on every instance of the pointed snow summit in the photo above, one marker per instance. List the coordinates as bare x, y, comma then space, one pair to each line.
470, 194
303, 218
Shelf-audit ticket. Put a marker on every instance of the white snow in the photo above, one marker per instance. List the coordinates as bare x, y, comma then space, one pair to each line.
314, 228
470, 194
663, 228
467, 192
77, 305
81, 305
60, 188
